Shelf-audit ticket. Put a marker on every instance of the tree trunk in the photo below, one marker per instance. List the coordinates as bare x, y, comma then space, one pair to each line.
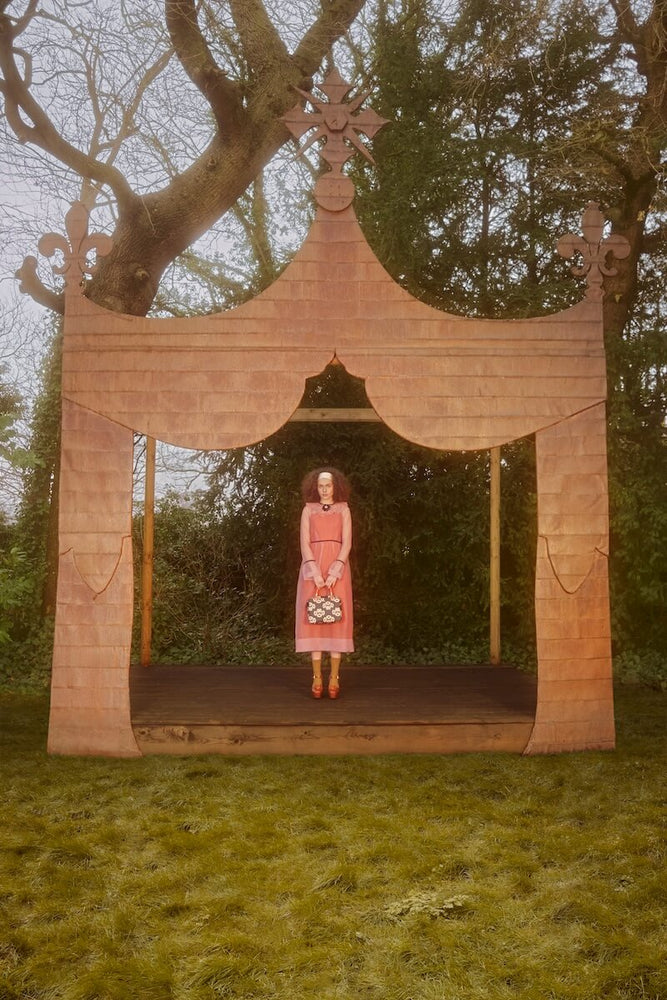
153, 231
641, 165
621, 288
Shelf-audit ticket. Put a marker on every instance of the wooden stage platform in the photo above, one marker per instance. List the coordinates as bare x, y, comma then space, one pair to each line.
388, 709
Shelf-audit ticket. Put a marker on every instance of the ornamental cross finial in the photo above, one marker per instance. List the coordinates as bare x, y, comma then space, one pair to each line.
75, 250
594, 250
336, 122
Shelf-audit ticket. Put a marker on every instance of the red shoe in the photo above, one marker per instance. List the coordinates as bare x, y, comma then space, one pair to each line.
334, 688
316, 689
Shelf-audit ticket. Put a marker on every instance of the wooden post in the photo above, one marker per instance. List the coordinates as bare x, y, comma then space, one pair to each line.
147, 555
364, 414
494, 596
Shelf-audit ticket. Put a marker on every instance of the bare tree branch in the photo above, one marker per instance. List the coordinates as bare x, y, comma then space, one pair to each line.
89, 191
260, 41
191, 48
625, 19
23, 22
32, 286
42, 132
618, 162
254, 225
655, 241
334, 21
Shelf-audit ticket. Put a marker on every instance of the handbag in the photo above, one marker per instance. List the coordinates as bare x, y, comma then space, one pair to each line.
324, 609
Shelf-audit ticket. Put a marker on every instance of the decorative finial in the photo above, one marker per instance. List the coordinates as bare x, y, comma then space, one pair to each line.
336, 122
75, 250
594, 250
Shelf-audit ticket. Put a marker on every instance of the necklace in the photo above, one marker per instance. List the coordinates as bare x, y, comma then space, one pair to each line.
325, 506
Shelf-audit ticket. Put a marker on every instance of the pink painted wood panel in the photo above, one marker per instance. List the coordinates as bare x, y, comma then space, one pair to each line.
575, 698
90, 703
233, 378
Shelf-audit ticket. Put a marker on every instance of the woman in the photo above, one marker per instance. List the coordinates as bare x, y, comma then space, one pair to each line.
326, 540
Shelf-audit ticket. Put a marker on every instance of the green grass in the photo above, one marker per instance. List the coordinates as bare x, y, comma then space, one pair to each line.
390, 878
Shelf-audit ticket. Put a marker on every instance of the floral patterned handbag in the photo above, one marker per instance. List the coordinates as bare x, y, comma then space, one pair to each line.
324, 609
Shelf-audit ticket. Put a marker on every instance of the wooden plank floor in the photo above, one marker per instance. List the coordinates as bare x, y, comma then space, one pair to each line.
392, 709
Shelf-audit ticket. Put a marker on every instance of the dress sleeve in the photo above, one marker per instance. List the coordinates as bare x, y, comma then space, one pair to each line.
338, 565
309, 567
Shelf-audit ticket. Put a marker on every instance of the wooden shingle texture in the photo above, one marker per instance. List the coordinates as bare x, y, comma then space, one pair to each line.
233, 378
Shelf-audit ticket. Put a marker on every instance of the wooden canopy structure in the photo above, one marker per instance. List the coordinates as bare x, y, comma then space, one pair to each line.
233, 378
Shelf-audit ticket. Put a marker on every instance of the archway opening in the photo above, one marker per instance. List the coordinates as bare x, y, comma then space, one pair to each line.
227, 558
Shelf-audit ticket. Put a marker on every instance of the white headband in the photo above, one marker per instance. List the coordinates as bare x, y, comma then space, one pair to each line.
325, 475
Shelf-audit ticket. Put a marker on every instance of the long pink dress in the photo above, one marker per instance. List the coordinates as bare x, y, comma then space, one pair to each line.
326, 539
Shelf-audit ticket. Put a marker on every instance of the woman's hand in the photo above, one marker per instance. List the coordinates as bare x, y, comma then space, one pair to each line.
330, 581
319, 581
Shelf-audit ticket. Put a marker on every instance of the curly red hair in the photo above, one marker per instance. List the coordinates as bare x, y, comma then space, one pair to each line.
340, 484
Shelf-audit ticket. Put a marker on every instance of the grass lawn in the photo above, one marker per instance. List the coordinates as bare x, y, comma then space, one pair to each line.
419, 878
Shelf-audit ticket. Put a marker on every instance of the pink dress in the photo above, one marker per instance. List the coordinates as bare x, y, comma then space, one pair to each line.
326, 539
